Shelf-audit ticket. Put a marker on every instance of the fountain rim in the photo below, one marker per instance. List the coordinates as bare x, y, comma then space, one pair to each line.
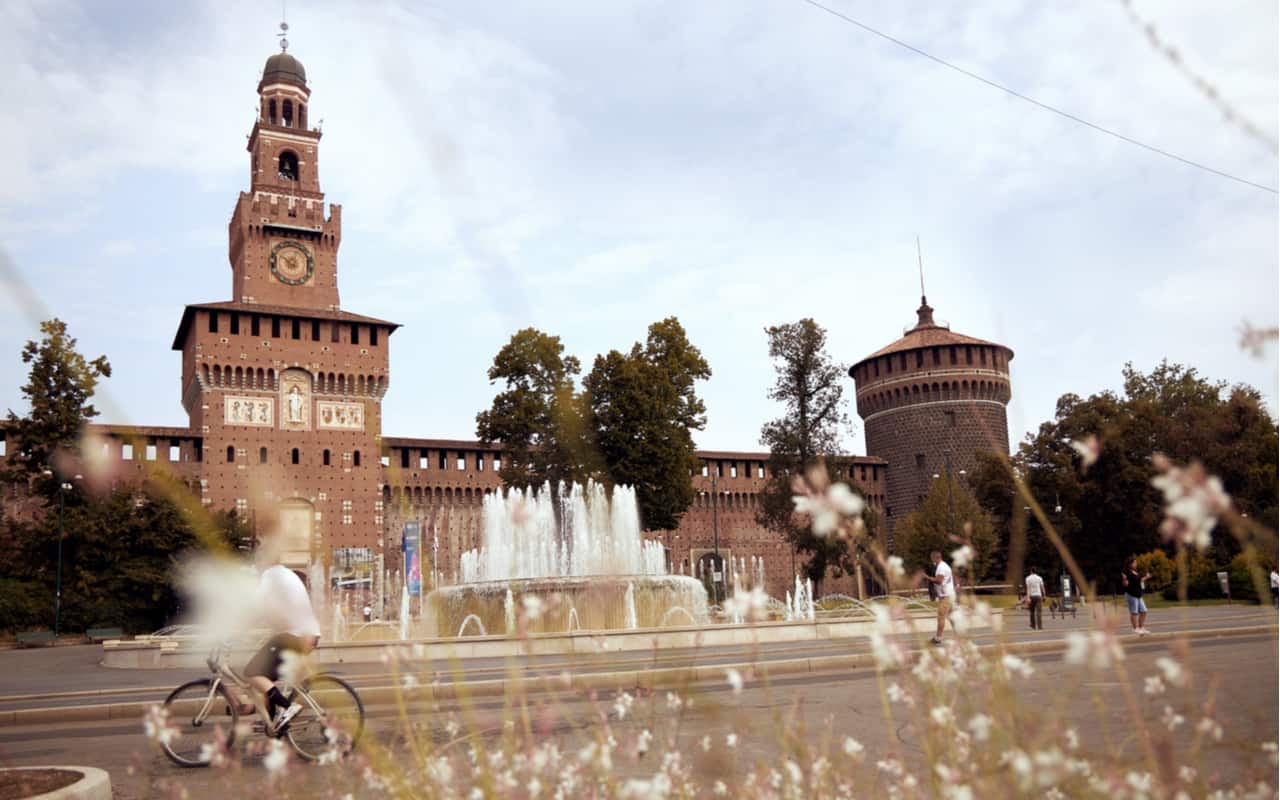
568, 580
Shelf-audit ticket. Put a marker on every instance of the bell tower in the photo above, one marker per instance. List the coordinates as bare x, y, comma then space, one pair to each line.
283, 249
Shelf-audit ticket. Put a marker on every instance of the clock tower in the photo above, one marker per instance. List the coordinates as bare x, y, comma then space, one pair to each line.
283, 249
283, 387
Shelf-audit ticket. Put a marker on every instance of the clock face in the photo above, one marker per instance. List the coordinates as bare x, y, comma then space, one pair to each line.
292, 263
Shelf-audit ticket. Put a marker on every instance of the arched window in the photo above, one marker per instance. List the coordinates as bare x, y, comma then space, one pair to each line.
271, 111
286, 114
295, 455
288, 165
302, 116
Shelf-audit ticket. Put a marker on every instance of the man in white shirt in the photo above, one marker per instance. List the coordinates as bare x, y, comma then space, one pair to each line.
284, 609
946, 592
1035, 599
1275, 587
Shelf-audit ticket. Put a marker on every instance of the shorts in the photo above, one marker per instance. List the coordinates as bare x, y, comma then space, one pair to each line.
1136, 604
944, 608
266, 662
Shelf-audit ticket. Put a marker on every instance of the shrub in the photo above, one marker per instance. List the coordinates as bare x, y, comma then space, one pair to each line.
1160, 567
24, 605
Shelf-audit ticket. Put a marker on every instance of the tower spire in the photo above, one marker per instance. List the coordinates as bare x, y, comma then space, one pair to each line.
924, 314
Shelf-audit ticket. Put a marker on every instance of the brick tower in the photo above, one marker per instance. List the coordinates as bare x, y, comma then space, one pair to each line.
285, 388
931, 397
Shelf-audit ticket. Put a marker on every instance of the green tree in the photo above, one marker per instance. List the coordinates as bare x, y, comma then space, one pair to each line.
810, 386
1111, 510
948, 507
58, 391
538, 419
643, 413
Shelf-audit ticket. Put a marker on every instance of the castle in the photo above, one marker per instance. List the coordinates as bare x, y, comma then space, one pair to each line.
283, 389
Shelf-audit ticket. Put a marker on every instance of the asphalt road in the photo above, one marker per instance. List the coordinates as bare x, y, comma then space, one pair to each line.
1242, 670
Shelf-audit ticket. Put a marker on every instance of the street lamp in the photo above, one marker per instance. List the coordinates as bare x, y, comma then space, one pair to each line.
951, 511
63, 488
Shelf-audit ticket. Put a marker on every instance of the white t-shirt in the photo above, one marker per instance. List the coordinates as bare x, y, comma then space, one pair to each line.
284, 604
1035, 586
945, 588
1275, 579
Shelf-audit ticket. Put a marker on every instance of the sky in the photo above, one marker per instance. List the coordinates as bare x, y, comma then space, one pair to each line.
589, 168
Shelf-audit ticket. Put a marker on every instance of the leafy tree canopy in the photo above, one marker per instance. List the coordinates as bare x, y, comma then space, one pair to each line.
643, 413
948, 512
809, 384
58, 391
1110, 510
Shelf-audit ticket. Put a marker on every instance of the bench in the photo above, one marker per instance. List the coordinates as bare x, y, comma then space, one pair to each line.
102, 634
28, 638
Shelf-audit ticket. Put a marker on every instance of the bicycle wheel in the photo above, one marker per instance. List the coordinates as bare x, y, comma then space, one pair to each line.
331, 720
202, 721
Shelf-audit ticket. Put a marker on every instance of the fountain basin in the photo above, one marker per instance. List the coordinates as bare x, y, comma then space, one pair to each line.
593, 603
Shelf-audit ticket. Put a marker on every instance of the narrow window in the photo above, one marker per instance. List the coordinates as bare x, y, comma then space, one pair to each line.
355, 333
384, 460
231, 454
422, 460
326, 458
497, 463
262, 455
920, 460
704, 469
404, 458
733, 471
953, 355
199, 453
373, 335
271, 111
297, 329
719, 469
150, 453
315, 330
937, 357
333, 332
213, 322
443, 464
462, 463
479, 462
235, 324
275, 327
968, 355
877, 368
760, 471
4, 446
254, 326
294, 455
175, 453
126, 452
982, 356
919, 358
949, 417
355, 458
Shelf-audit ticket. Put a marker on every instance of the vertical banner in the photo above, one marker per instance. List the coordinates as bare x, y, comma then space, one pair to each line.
411, 544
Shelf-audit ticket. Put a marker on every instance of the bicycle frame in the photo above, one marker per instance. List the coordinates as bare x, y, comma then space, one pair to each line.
225, 673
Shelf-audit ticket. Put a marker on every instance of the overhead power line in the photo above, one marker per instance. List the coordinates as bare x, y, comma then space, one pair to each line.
1028, 99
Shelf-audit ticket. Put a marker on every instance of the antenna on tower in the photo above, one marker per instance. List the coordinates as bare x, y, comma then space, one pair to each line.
284, 26
920, 261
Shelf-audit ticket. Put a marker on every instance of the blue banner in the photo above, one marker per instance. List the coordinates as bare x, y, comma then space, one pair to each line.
410, 543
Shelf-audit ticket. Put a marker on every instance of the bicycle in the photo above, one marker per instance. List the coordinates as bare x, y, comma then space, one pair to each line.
329, 724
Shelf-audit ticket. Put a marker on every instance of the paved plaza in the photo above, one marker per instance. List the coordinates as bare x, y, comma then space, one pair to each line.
1232, 647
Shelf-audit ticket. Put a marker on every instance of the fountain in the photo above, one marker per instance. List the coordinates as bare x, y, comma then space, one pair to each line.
579, 551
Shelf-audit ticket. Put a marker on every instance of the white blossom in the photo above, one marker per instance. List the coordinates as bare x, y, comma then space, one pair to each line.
1016, 666
1171, 719
731, 740
1153, 685
1088, 448
532, 606
642, 743
962, 556
980, 726
826, 510
1097, 649
735, 680
853, 748
897, 569
1172, 671
622, 705
1210, 727
276, 758
1193, 499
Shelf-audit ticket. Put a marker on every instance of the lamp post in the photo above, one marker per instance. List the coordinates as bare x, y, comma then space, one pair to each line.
63, 488
951, 510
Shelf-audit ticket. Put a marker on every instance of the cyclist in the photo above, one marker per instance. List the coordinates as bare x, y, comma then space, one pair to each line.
284, 608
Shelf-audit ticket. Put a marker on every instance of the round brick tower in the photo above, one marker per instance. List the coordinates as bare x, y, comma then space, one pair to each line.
932, 397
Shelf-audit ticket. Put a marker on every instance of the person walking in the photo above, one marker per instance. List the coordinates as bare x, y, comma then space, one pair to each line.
1275, 587
946, 588
1035, 599
1133, 586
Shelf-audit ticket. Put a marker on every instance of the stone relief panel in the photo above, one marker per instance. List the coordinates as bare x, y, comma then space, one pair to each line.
258, 412
295, 400
339, 416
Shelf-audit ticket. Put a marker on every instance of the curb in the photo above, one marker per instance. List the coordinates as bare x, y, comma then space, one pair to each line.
623, 680
94, 783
